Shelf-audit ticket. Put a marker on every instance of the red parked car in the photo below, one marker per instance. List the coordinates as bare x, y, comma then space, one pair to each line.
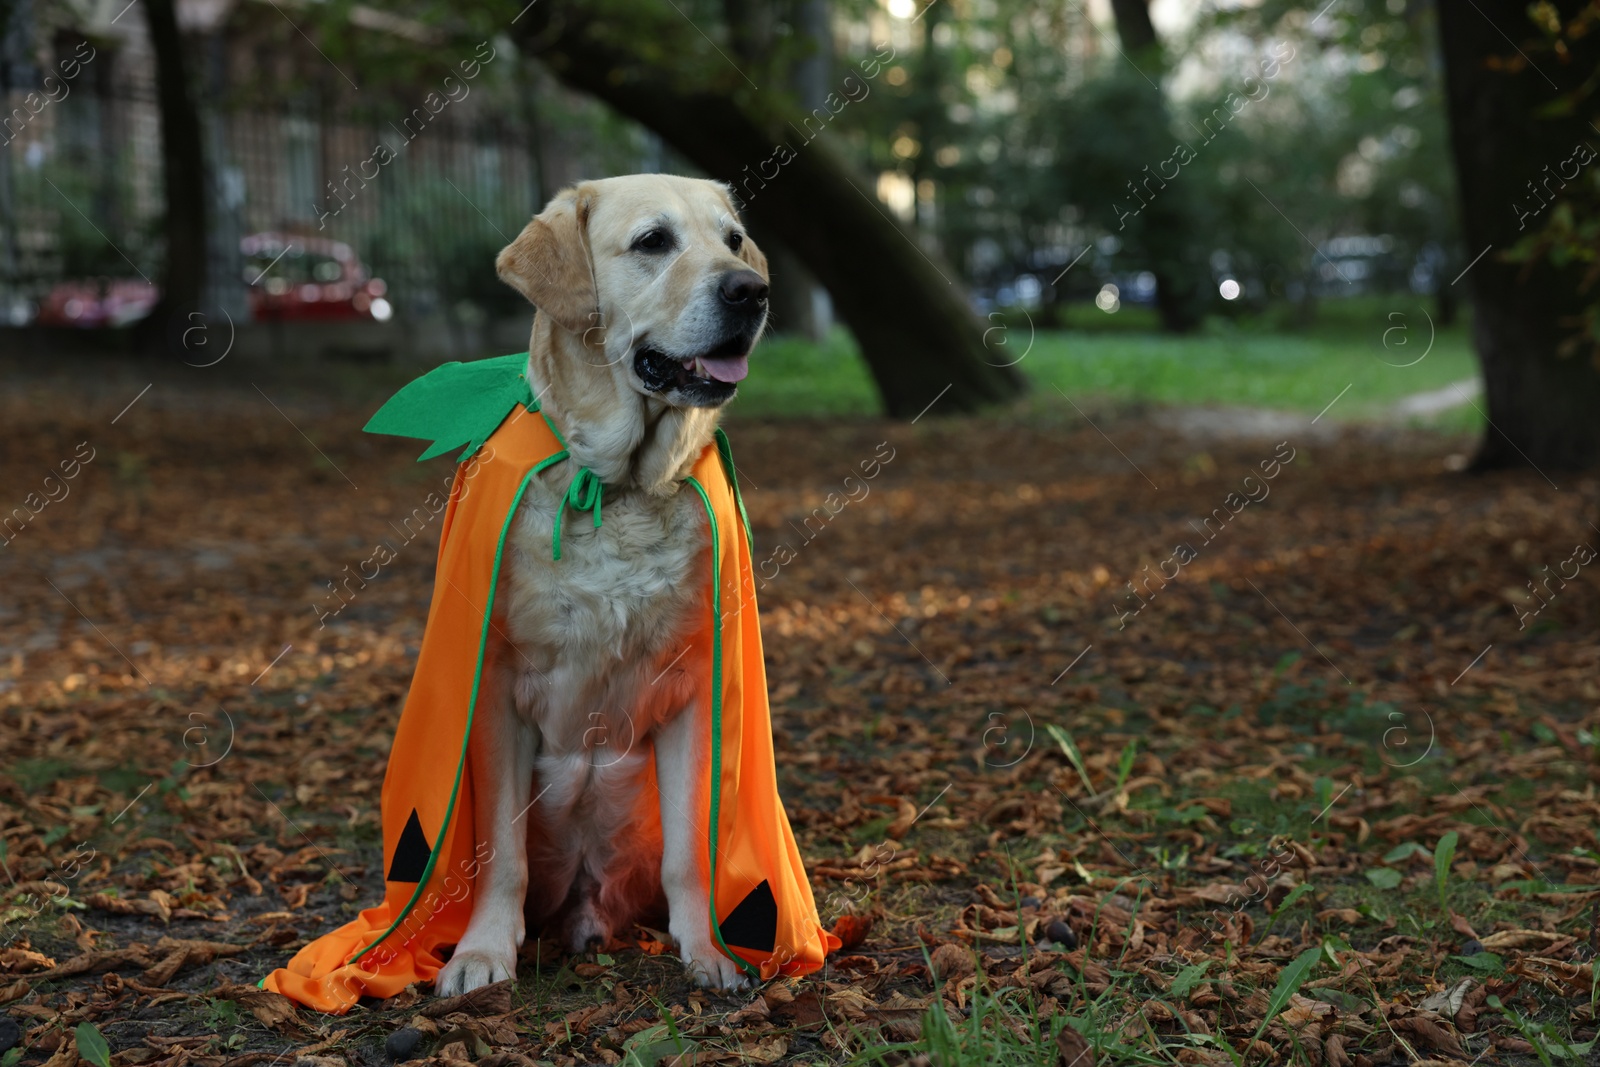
291, 278
299, 278
96, 303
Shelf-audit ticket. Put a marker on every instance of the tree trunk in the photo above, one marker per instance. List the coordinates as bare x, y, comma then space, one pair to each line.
1138, 33
750, 29
527, 81
16, 68
791, 303
183, 174
1447, 306
1543, 408
108, 170
813, 74
1166, 234
792, 309
909, 314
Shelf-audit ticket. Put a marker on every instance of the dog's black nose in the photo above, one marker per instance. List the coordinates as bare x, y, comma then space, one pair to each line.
743, 287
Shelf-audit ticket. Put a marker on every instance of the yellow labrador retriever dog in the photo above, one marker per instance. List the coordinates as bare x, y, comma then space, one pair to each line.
650, 297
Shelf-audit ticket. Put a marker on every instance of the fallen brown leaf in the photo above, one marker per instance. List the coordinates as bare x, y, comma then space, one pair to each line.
155, 906
1510, 940
1072, 1049
271, 1009
952, 961
489, 1000
852, 930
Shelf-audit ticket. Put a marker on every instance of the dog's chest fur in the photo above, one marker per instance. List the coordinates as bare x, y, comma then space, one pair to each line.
601, 638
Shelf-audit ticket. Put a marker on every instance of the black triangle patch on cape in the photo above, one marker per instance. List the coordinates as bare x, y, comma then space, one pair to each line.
754, 923
411, 854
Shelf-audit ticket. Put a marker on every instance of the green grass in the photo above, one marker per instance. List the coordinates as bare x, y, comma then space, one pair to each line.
36, 773
1279, 371
796, 378
1256, 363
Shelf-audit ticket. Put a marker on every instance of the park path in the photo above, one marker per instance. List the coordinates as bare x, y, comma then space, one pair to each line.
1245, 423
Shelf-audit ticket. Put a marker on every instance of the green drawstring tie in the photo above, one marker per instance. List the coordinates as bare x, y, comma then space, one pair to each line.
582, 495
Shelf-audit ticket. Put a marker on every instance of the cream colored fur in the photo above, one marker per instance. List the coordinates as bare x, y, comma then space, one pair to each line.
591, 723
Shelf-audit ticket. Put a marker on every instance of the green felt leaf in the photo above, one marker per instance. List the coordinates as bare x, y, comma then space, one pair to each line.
456, 405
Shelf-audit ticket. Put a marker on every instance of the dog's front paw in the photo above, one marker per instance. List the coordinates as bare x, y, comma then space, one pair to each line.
473, 969
710, 969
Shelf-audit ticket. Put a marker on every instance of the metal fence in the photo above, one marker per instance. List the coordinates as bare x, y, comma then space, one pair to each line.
423, 199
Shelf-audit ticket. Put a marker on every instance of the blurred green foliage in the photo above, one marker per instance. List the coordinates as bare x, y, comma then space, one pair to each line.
1022, 129
1037, 138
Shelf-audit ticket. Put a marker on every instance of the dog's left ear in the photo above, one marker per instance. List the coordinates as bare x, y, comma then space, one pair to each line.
549, 261
753, 257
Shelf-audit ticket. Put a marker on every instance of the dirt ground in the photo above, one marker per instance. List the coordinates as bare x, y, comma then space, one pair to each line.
1323, 791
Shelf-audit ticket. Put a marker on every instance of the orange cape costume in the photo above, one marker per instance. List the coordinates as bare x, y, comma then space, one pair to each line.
762, 912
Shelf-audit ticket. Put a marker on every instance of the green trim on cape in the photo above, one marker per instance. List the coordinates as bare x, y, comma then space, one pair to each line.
472, 705
725, 450
716, 722
463, 404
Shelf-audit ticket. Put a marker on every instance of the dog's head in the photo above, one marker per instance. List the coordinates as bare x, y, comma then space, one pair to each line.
657, 278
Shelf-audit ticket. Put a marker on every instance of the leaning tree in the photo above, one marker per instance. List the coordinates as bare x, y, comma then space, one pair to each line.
735, 121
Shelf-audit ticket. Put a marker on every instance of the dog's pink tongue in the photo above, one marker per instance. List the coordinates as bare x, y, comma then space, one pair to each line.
728, 369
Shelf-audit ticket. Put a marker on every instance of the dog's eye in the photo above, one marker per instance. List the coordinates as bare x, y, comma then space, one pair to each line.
654, 241
735, 241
